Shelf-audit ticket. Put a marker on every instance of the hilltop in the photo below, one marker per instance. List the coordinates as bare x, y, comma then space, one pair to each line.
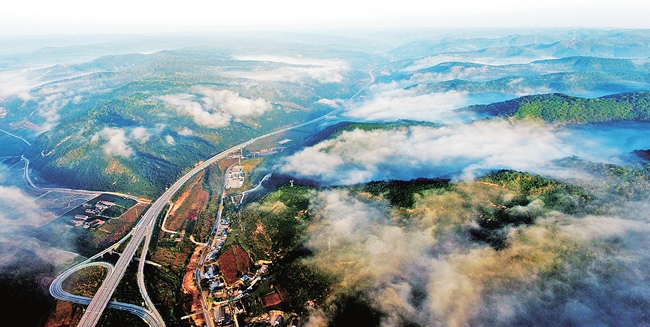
560, 108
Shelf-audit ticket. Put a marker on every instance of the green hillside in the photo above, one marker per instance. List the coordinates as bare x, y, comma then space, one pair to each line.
560, 108
134, 123
576, 82
82, 152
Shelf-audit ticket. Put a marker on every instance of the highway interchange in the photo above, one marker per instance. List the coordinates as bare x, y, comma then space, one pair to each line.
143, 231
56, 289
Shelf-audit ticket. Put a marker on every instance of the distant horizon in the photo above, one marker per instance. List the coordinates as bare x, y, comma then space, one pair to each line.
14, 44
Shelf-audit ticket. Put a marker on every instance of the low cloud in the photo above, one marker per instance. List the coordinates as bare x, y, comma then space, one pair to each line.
185, 132
115, 142
49, 94
187, 104
51, 101
18, 209
334, 103
122, 141
140, 134
230, 102
462, 151
18, 83
215, 108
14, 247
455, 72
418, 275
463, 57
297, 68
20, 218
25, 218
592, 227
392, 103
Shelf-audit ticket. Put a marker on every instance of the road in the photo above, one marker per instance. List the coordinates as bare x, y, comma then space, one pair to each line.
143, 229
215, 244
243, 194
16, 136
30, 183
57, 291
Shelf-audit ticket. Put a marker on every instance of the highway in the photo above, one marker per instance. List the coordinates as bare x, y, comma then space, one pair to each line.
143, 229
16, 136
214, 246
57, 291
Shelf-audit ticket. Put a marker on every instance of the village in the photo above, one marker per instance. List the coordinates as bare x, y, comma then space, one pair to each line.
228, 277
228, 281
95, 213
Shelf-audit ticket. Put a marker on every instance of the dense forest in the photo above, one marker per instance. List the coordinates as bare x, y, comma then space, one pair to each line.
560, 108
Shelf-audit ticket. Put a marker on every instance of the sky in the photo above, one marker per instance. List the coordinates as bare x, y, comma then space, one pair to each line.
43, 17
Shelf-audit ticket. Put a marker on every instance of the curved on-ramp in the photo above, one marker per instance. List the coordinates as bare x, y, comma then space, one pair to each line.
57, 291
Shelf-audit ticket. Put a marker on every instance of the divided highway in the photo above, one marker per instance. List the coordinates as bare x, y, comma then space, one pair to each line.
143, 229
56, 289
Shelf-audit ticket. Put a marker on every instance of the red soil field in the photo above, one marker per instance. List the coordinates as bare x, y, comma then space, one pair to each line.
228, 265
243, 259
234, 262
274, 298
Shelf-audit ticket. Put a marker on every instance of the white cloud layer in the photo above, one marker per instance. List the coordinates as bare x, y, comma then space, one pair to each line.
441, 58
21, 212
140, 134
215, 108
185, 132
297, 68
231, 103
560, 271
116, 142
391, 103
49, 95
462, 150
334, 103
18, 83
18, 209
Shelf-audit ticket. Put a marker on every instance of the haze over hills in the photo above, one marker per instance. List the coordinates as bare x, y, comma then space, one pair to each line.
145, 106
458, 173
543, 42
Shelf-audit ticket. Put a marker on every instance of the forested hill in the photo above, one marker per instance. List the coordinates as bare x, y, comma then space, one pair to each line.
562, 108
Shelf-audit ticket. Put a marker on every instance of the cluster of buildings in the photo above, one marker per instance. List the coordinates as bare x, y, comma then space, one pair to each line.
235, 177
277, 318
267, 151
213, 275
224, 310
90, 219
228, 296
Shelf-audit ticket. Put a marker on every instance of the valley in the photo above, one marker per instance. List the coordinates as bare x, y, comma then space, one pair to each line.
321, 180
